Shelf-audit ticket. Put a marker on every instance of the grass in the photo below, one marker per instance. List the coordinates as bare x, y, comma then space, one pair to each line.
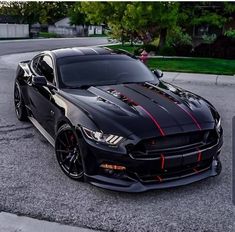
128, 48
194, 65
190, 65
48, 35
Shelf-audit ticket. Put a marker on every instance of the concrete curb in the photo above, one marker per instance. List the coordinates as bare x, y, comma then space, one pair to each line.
177, 77
12, 223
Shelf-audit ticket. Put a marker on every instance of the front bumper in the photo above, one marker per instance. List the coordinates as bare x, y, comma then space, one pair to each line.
145, 174
131, 185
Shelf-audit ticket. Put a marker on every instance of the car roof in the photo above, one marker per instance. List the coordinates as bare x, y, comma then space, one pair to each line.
81, 51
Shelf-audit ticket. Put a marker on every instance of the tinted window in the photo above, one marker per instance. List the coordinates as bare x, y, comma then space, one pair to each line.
102, 70
45, 68
35, 65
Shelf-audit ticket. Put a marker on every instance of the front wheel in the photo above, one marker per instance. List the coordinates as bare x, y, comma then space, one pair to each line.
20, 109
68, 148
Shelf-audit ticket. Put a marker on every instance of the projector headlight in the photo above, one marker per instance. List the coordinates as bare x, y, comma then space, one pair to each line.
99, 136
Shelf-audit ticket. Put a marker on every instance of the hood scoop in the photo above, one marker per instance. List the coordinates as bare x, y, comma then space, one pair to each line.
110, 100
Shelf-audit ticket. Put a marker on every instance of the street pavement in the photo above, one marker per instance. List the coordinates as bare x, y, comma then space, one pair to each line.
13, 223
33, 185
29, 45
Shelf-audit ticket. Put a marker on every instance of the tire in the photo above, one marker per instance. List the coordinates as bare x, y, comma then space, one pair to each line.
69, 152
20, 109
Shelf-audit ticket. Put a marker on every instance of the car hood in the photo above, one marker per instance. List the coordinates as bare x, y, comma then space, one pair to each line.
144, 109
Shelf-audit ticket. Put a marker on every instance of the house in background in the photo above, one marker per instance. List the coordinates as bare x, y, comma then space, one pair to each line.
63, 28
95, 30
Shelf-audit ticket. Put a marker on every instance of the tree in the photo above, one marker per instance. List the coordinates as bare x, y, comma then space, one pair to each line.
32, 12
77, 17
109, 13
23, 12
144, 20
151, 19
209, 13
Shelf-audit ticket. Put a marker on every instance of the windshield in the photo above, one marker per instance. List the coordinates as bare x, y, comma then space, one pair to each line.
102, 70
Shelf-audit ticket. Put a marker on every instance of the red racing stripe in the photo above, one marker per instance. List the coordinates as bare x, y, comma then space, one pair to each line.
150, 115
162, 161
199, 158
176, 102
154, 120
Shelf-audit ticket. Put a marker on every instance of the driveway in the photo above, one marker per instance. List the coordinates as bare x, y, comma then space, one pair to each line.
32, 183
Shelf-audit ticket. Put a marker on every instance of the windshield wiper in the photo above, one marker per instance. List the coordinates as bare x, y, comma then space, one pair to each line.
130, 82
79, 87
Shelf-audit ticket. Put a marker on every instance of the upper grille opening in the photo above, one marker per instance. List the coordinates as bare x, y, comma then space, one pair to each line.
175, 142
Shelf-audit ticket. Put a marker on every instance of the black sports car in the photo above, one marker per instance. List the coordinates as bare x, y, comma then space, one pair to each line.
114, 124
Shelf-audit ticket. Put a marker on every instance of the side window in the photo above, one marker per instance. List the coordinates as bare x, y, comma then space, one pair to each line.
45, 68
35, 65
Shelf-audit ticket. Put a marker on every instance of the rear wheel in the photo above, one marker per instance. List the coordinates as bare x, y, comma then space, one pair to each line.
20, 109
68, 148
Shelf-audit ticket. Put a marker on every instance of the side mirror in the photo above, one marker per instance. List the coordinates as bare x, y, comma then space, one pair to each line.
39, 81
158, 73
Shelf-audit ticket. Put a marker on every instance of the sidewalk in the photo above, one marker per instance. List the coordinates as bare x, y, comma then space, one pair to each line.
13, 223
178, 77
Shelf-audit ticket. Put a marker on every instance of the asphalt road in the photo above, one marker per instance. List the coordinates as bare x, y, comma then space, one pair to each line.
32, 184
17, 46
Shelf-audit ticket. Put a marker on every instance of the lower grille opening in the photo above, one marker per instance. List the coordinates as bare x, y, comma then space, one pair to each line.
176, 173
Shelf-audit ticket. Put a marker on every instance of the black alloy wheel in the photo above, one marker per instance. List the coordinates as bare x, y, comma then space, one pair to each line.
20, 109
68, 148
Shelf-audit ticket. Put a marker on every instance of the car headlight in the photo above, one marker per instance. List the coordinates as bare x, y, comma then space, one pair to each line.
99, 136
218, 125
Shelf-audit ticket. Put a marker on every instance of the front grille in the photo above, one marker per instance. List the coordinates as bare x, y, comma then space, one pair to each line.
173, 144
175, 173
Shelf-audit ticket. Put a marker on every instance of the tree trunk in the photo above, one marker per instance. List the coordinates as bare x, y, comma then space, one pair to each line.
163, 34
122, 38
83, 30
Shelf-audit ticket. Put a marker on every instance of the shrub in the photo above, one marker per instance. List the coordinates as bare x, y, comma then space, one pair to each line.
178, 38
230, 33
183, 50
209, 38
48, 35
202, 50
149, 47
179, 43
223, 47
167, 51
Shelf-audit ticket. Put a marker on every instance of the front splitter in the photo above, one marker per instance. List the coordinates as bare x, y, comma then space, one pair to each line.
135, 186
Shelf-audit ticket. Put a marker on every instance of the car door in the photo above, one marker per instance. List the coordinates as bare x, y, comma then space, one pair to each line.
41, 99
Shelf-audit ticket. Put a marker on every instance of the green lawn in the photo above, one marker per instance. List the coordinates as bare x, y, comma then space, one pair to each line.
128, 48
191, 65
194, 65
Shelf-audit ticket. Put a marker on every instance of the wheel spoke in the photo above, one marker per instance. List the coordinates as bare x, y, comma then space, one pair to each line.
62, 142
71, 164
66, 159
77, 166
79, 161
67, 139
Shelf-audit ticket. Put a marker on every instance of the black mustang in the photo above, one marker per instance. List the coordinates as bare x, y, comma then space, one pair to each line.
114, 124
